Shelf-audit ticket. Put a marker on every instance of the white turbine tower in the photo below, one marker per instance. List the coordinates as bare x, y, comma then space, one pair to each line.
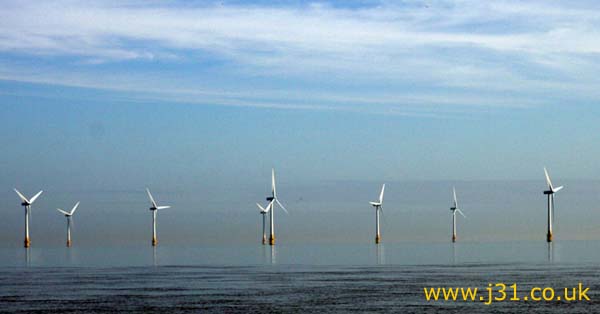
378, 208
273, 199
26, 203
455, 209
69, 216
263, 212
550, 192
154, 208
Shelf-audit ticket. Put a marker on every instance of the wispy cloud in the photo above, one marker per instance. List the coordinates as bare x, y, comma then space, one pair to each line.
437, 52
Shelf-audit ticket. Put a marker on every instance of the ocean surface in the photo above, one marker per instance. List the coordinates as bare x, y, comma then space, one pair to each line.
293, 279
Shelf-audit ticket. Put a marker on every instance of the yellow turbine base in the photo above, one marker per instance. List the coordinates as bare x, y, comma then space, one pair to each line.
154, 242
272, 240
68, 243
453, 238
27, 242
377, 239
549, 237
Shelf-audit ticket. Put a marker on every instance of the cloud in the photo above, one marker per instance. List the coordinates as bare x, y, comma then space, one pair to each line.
107, 30
462, 52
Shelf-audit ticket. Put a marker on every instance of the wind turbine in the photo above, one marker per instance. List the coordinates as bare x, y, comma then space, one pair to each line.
550, 192
455, 209
378, 208
154, 208
273, 199
263, 212
27, 205
69, 216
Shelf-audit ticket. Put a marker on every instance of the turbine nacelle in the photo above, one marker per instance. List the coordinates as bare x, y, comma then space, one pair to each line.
264, 210
154, 205
69, 214
379, 203
455, 210
159, 207
24, 200
273, 198
551, 188
454, 207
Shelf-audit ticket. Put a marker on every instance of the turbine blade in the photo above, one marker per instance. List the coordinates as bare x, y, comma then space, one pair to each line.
381, 194
21, 196
163, 207
151, 198
265, 209
74, 209
273, 188
548, 179
62, 211
557, 189
455, 200
282, 207
35, 197
460, 212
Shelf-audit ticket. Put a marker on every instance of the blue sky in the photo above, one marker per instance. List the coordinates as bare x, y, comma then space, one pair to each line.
208, 96
366, 81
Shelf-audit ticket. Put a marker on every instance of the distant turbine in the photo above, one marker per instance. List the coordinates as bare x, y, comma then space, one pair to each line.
263, 212
27, 204
378, 208
153, 209
550, 192
69, 216
273, 199
455, 209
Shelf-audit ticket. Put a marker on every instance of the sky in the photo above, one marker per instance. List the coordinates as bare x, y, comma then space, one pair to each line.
199, 100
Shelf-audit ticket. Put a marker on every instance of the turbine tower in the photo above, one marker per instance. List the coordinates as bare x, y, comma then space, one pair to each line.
263, 212
273, 199
26, 203
378, 208
69, 216
550, 192
454, 209
154, 208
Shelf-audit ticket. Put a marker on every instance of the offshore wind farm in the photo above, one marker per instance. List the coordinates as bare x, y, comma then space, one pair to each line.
273, 201
299, 156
